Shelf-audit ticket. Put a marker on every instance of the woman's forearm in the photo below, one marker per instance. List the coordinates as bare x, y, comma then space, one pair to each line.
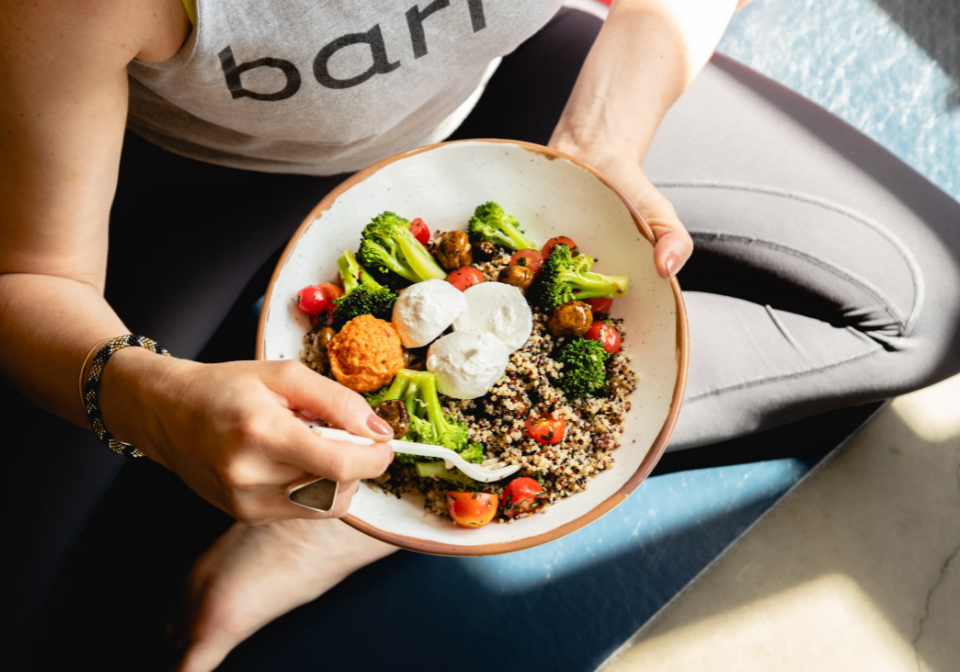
48, 324
646, 55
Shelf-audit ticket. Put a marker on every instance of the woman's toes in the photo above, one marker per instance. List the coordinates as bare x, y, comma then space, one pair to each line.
203, 656
253, 575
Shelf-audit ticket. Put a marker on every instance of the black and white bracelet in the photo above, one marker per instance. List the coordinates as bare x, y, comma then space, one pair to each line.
91, 390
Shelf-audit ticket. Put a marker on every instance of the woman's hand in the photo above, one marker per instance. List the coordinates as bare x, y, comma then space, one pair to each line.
645, 56
232, 433
674, 245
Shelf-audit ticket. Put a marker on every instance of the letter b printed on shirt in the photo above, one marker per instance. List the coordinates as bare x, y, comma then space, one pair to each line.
232, 72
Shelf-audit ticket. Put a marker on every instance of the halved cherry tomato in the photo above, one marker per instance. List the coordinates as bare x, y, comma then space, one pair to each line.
316, 299
472, 509
420, 231
600, 305
532, 259
605, 335
522, 495
560, 240
464, 278
546, 429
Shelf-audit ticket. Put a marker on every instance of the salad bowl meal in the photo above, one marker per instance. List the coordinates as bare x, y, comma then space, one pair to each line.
497, 303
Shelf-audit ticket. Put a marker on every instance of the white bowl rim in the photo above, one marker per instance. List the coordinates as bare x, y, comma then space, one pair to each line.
656, 449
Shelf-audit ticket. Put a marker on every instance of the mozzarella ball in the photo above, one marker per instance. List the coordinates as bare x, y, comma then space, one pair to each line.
467, 363
424, 310
498, 309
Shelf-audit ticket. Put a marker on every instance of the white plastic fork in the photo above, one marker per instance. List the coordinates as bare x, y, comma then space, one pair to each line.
474, 471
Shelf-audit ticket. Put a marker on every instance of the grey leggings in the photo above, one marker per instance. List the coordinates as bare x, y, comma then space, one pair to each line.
825, 275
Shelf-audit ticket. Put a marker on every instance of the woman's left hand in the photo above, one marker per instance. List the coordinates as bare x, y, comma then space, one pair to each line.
673, 244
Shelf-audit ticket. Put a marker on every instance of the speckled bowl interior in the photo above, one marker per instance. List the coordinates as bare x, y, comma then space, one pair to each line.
550, 195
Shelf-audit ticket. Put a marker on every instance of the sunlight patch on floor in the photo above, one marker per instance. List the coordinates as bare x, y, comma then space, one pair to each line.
934, 412
834, 611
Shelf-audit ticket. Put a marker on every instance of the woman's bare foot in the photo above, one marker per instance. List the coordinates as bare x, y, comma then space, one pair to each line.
252, 575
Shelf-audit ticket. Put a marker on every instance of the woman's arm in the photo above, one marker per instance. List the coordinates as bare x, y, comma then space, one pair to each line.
230, 431
62, 115
646, 55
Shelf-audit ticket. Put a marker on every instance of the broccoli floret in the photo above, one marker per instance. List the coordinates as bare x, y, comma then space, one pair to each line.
584, 371
388, 245
375, 397
491, 224
362, 295
429, 423
473, 452
565, 278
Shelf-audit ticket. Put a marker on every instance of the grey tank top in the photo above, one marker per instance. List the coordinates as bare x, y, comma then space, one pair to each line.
322, 87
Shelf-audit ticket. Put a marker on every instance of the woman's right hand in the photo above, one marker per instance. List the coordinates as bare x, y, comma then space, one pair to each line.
232, 433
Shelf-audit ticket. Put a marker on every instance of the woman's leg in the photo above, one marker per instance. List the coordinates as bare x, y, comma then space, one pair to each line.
826, 271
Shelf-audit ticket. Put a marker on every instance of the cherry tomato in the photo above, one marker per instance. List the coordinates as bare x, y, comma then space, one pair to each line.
560, 240
605, 335
532, 259
316, 299
522, 495
465, 277
600, 305
471, 509
420, 231
546, 429
331, 290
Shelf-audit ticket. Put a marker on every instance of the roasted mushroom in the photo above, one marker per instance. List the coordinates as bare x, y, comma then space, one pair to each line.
483, 250
570, 319
518, 276
453, 251
320, 341
414, 360
395, 413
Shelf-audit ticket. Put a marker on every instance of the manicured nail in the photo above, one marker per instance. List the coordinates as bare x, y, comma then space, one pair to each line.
307, 415
671, 264
379, 425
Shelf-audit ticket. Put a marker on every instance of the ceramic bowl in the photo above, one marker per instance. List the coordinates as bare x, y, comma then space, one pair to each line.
550, 194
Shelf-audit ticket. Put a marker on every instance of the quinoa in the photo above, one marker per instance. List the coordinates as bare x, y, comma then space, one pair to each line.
318, 361
528, 389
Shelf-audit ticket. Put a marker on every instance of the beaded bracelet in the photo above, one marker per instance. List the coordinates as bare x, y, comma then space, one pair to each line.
91, 391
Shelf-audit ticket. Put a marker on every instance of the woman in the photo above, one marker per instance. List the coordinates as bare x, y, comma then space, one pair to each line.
807, 290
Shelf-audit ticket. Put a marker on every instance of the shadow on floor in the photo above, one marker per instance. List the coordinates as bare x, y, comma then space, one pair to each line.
935, 26
567, 605
407, 612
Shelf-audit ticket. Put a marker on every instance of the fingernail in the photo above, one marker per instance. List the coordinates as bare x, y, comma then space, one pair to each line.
379, 425
671, 264
307, 415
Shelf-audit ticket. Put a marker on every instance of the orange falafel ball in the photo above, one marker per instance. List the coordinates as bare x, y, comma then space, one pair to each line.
366, 354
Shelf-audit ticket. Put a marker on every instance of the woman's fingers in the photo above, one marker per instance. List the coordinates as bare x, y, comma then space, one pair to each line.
674, 245
332, 402
336, 460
